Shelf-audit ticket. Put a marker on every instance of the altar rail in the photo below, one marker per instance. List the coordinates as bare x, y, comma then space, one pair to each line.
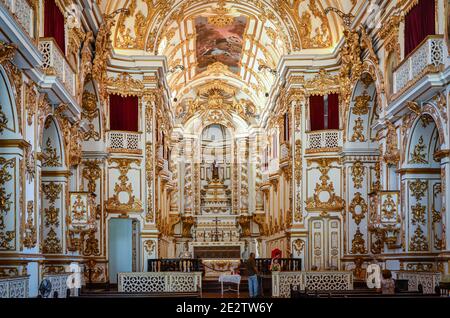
324, 140
159, 282
428, 280
55, 63
428, 57
193, 265
286, 265
174, 265
59, 284
320, 281
14, 287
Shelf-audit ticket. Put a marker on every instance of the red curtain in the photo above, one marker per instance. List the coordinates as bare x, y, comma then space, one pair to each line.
316, 112
123, 113
333, 111
54, 24
419, 23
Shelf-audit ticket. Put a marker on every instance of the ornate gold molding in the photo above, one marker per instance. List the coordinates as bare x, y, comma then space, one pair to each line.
7, 52
125, 85
133, 204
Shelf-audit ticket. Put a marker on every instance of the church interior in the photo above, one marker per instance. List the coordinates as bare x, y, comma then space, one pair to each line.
152, 146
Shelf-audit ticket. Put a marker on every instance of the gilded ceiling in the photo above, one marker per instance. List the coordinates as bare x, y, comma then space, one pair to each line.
236, 43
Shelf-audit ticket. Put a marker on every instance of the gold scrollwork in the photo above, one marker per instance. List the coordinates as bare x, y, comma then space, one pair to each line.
418, 155
358, 129
51, 158
92, 172
392, 154
30, 233
5, 198
418, 188
419, 241
358, 201
358, 243
361, 106
324, 197
7, 52
358, 172
3, 120
52, 244
125, 85
298, 246
418, 213
123, 186
149, 247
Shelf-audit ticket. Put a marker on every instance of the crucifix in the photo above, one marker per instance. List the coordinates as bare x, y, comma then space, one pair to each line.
215, 234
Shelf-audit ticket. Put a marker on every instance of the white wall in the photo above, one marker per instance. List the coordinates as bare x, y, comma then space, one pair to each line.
120, 247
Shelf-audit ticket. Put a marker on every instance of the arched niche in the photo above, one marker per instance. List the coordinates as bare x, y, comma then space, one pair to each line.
9, 122
94, 116
423, 143
12, 173
52, 146
54, 187
216, 144
360, 116
422, 185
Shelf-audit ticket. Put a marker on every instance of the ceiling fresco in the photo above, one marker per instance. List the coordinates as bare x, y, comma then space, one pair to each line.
239, 42
216, 43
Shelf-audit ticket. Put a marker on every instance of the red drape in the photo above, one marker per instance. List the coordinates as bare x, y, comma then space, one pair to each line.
419, 23
123, 113
316, 112
54, 24
333, 111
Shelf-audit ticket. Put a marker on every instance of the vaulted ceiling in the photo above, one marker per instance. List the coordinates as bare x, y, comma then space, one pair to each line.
233, 44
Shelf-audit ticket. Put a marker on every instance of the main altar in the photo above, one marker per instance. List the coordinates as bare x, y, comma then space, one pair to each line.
216, 234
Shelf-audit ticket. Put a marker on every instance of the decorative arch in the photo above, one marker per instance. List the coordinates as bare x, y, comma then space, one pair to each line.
424, 138
9, 117
52, 144
422, 180
361, 110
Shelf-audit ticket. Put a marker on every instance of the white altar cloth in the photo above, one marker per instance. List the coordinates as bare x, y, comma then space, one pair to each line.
224, 278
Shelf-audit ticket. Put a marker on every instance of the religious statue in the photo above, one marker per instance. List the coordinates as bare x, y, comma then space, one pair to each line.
186, 254
215, 171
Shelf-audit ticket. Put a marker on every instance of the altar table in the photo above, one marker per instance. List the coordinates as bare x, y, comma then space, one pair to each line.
235, 279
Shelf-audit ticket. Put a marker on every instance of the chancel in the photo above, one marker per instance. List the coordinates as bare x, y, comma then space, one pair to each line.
177, 148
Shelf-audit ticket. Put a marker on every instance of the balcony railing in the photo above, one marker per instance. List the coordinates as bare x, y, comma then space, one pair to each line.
428, 57
284, 152
55, 63
274, 166
14, 287
24, 14
324, 141
124, 142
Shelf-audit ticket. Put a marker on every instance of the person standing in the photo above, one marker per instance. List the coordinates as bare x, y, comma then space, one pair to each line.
252, 274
